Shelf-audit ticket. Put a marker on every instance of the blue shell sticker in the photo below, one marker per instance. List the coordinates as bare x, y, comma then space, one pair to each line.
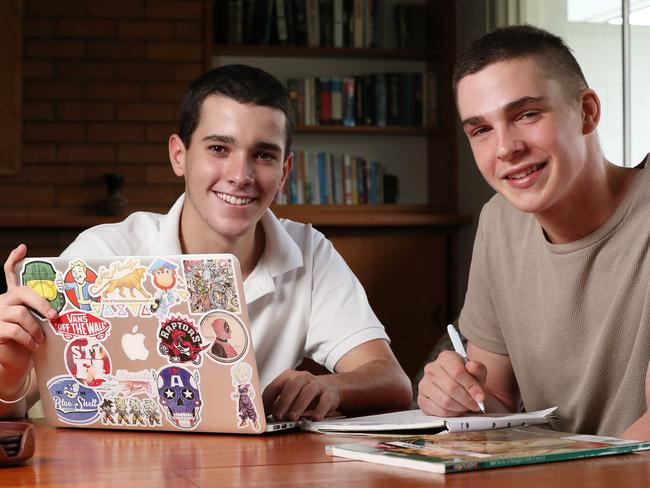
74, 403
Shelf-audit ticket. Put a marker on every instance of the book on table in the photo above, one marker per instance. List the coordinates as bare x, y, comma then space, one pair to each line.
413, 421
469, 451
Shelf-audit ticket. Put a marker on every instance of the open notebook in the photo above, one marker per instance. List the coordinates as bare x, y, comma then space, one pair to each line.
147, 342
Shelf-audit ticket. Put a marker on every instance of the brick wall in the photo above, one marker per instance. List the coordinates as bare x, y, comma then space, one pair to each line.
102, 83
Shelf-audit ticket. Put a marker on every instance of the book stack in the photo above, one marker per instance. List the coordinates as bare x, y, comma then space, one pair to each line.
313, 23
320, 178
379, 99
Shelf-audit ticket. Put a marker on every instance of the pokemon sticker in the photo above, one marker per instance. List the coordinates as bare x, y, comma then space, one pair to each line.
76, 284
211, 284
121, 410
41, 277
164, 278
78, 323
73, 402
228, 335
180, 340
88, 362
243, 395
179, 395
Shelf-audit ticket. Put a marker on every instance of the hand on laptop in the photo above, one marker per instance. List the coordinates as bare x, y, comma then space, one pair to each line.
20, 331
293, 394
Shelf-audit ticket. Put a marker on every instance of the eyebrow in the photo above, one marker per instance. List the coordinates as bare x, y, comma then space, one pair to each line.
509, 107
268, 146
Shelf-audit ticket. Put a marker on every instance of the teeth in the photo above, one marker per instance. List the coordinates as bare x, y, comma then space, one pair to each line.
234, 200
525, 172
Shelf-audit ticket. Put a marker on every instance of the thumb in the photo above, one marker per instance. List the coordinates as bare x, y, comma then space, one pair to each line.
479, 372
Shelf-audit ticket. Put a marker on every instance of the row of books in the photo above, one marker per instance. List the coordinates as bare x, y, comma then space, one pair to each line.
380, 99
320, 178
313, 23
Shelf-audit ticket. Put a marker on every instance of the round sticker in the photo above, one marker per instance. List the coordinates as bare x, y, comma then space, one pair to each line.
73, 402
87, 360
228, 335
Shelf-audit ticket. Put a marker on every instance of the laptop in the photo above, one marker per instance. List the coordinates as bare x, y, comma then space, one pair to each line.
147, 342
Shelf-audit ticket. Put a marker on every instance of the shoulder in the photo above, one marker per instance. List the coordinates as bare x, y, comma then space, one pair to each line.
500, 219
134, 235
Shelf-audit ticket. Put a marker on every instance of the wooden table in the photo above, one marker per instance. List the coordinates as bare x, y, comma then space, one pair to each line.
91, 458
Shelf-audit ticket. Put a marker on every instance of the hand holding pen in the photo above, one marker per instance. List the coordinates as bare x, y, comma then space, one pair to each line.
460, 349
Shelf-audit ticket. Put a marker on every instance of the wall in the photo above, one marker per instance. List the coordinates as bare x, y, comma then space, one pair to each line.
102, 81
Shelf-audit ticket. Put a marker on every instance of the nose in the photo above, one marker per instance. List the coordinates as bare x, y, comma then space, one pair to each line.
240, 170
510, 145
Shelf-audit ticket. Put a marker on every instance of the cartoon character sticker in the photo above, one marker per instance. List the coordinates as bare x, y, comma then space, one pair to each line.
180, 340
211, 285
244, 394
179, 395
228, 335
41, 277
78, 323
73, 402
88, 362
76, 285
165, 280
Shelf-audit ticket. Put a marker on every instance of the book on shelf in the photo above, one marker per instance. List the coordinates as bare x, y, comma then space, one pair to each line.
379, 99
415, 421
320, 178
469, 451
312, 23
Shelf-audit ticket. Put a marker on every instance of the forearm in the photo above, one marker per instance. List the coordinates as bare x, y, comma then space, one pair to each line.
379, 384
639, 430
17, 409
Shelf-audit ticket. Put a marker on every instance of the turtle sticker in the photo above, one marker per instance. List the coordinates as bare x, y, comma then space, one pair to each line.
41, 277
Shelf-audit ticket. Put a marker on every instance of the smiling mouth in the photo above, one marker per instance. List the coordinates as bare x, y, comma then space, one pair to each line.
525, 172
233, 200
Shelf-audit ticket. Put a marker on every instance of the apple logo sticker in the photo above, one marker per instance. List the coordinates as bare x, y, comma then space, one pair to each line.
133, 345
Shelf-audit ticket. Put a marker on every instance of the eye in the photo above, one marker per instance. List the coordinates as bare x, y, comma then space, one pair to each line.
265, 156
217, 149
529, 115
479, 131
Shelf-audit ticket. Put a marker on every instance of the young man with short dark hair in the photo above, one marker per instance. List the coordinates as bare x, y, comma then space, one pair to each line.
233, 150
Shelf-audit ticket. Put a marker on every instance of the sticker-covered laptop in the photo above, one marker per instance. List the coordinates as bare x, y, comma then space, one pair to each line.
147, 342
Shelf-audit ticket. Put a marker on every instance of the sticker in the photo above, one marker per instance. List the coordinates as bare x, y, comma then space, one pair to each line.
122, 282
87, 361
76, 285
211, 285
73, 402
164, 278
244, 394
129, 383
41, 277
179, 395
228, 335
133, 345
120, 410
180, 340
78, 323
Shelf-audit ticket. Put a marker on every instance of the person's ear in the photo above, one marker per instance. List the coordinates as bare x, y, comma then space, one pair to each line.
590, 111
286, 169
177, 154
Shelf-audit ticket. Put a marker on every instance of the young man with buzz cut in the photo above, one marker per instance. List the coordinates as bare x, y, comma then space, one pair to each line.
557, 310
233, 150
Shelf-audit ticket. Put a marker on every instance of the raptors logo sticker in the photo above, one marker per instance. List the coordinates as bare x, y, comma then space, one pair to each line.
180, 340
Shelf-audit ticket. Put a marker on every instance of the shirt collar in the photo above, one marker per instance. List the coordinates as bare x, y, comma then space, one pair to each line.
281, 255
170, 230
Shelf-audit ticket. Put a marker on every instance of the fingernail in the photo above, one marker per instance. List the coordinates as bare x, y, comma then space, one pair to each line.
51, 313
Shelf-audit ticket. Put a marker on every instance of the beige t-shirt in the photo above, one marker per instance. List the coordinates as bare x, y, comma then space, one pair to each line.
574, 318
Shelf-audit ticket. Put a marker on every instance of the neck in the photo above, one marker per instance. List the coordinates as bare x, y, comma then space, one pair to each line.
197, 238
593, 200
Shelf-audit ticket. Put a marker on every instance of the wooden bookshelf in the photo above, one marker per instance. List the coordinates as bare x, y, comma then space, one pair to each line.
248, 50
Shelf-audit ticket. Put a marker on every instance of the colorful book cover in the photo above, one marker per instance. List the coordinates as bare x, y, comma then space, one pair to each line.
469, 451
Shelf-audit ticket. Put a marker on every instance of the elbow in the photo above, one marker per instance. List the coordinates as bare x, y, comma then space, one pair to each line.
403, 392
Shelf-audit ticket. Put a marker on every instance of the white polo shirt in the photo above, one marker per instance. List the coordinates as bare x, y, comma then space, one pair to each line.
303, 300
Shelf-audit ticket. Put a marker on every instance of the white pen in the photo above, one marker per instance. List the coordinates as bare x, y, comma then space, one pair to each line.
460, 349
